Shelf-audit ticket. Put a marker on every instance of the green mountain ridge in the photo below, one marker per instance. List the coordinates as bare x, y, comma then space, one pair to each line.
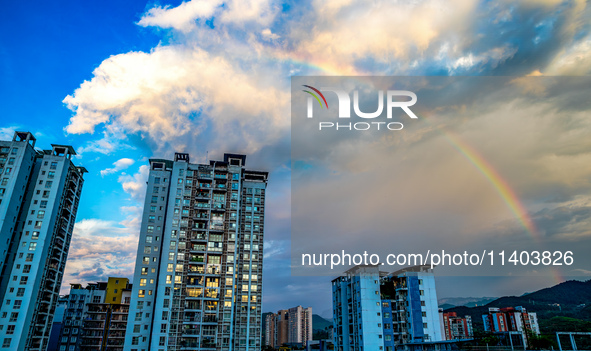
565, 305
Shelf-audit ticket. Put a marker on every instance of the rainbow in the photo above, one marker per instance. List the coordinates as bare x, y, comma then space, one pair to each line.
502, 187
506, 193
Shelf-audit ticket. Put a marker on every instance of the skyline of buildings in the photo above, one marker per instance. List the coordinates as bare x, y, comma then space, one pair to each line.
39, 197
198, 275
292, 326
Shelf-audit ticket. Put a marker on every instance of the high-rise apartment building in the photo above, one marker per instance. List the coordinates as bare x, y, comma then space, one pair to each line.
94, 317
299, 325
291, 326
511, 319
357, 310
106, 317
373, 310
198, 274
39, 196
455, 327
270, 329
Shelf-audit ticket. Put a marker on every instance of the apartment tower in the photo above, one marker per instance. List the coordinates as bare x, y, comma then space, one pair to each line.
39, 196
198, 274
374, 310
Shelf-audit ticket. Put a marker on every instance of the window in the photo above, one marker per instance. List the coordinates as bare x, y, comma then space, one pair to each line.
13, 317
43, 204
35, 235
53, 165
45, 193
163, 328
147, 249
50, 175
146, 260
10, 330
32, 246
17, 304
38, 224
141, 293
144, 270
6, 342
29, 257
4, 181
27, 268
40, 214
20, 292
149, 239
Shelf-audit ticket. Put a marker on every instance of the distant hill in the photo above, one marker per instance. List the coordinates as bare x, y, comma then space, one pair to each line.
570, 299
449, 302
320, 323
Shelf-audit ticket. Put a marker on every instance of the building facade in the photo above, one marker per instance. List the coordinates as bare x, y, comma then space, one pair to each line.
511, 319
373, 310
39, 194
198, 275
270, 329
357, 310
95, 317
291, 326
454, 327
106, 316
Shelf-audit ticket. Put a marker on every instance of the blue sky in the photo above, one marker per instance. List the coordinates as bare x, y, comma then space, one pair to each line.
123, 82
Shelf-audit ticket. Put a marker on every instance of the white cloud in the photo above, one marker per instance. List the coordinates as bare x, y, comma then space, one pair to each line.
240, 11
6, 133
113, 140
266, 33
102, 249
339, 33
182, 17
135, 185
119, 165
175, 93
